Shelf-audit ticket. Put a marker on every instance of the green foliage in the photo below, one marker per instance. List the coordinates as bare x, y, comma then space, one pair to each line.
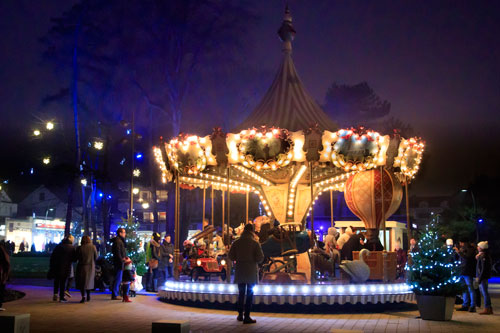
134, 249
434, 268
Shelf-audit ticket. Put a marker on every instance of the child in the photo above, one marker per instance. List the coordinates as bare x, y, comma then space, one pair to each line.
483, 273
127, 278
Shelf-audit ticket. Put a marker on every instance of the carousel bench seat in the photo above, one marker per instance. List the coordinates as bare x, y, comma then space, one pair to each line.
375, 260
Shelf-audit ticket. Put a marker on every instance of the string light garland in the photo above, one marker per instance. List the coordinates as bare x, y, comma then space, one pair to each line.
409, 157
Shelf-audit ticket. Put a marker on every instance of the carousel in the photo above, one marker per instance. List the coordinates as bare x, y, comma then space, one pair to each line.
289, 152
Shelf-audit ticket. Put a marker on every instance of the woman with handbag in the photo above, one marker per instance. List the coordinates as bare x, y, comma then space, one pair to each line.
153, 256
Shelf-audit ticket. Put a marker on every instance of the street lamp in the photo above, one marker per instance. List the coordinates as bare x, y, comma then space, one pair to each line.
46, 160
145, 205
37, 132
49, 126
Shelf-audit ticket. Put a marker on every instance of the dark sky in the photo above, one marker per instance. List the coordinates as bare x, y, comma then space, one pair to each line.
437, 62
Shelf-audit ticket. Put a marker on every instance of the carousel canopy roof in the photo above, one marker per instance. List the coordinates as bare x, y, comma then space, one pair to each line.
287, 104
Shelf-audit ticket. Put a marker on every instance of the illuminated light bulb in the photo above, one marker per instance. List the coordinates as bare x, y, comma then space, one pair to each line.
279, 289
292, 290
145, 205
329, 289
211, 287
363, 289
352, 289
221, 287
232, 288
46, 160
83, 181
36, 133
317, 289
255, 289
49, 126
194, 286
373, 289
340, 289
267, 289
381, 289
305, 289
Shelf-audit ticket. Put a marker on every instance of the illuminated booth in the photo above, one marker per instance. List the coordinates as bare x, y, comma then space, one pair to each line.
289, 152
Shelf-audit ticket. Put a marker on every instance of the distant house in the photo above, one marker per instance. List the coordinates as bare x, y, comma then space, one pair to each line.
7, 207
45, 203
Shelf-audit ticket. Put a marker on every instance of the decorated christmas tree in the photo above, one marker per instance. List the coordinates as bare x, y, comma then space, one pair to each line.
434, 268
134, 248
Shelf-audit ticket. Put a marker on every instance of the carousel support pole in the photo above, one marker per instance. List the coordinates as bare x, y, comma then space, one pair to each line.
204, 200
386, 246
223, 213
331, 208
228, 262
246, 211
313, 233
212, 202
176, 228
408, 225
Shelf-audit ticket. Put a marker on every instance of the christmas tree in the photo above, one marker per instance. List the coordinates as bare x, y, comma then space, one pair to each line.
134, 248
434, 268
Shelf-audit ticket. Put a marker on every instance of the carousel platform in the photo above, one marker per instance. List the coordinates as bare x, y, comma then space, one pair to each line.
195, 292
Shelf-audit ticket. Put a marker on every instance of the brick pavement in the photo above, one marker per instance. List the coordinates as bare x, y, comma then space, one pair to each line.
104, 315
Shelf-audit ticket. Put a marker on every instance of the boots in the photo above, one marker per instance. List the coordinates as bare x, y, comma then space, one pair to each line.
486, 311
126, 299
88, 295
155, 285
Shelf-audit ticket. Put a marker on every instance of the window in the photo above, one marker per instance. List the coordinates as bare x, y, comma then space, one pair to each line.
41, 196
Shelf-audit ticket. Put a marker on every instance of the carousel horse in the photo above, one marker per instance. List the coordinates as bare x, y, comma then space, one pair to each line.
357, 269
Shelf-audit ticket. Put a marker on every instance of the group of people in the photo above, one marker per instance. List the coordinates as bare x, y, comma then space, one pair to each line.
61, 268
4, 271
475, 269
160, 261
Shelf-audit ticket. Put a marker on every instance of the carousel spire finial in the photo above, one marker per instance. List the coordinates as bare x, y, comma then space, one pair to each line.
286, 31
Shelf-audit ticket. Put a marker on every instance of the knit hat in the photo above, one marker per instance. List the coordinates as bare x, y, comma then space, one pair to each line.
483, 245
449, 242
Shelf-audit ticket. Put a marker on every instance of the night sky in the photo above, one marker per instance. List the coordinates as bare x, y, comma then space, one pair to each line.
437, 62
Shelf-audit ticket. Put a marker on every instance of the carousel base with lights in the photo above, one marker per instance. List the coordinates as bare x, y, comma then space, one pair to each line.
193, 293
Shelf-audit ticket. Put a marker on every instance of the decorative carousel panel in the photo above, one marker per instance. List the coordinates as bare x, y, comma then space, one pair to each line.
358, 149
263, 148
186, 154
409, 157
277, 199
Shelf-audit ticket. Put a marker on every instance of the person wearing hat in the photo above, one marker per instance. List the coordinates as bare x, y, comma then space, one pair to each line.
247, 253
153, 257
483, 273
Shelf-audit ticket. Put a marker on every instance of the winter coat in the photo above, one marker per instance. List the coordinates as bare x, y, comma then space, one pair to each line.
119, 252
4, 265
166, 251
247, 253
61, 260
353, 244
331, 238
85, 269
467, 255
483, 267
344, 238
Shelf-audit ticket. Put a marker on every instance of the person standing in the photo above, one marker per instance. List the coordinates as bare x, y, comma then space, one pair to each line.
467, 255
61, 262
247, 253
167, 257
153, 257
86, 254
119, 256
4, 272
483, 273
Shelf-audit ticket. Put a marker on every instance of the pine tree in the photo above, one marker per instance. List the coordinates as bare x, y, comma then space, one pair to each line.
134, 250
434, 268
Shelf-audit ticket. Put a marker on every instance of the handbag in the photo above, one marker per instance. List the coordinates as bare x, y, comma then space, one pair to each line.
153, 263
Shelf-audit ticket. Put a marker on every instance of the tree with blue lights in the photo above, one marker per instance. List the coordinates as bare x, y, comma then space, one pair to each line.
134, 248
434, 268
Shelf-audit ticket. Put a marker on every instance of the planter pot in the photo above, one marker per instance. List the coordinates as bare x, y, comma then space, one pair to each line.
435, 307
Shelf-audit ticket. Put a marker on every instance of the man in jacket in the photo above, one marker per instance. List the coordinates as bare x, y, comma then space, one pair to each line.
467, 255
61, 262
119, 256
167, 257
247, 253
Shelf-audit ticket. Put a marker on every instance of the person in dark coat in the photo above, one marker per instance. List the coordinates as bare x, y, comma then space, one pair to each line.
119, 256
467, 255
61, 262
353, 244
247, 253
86, 255
483, 273
153, 257
4, 272
167, 257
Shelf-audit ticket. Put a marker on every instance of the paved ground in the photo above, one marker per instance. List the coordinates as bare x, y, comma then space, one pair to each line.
104, 315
